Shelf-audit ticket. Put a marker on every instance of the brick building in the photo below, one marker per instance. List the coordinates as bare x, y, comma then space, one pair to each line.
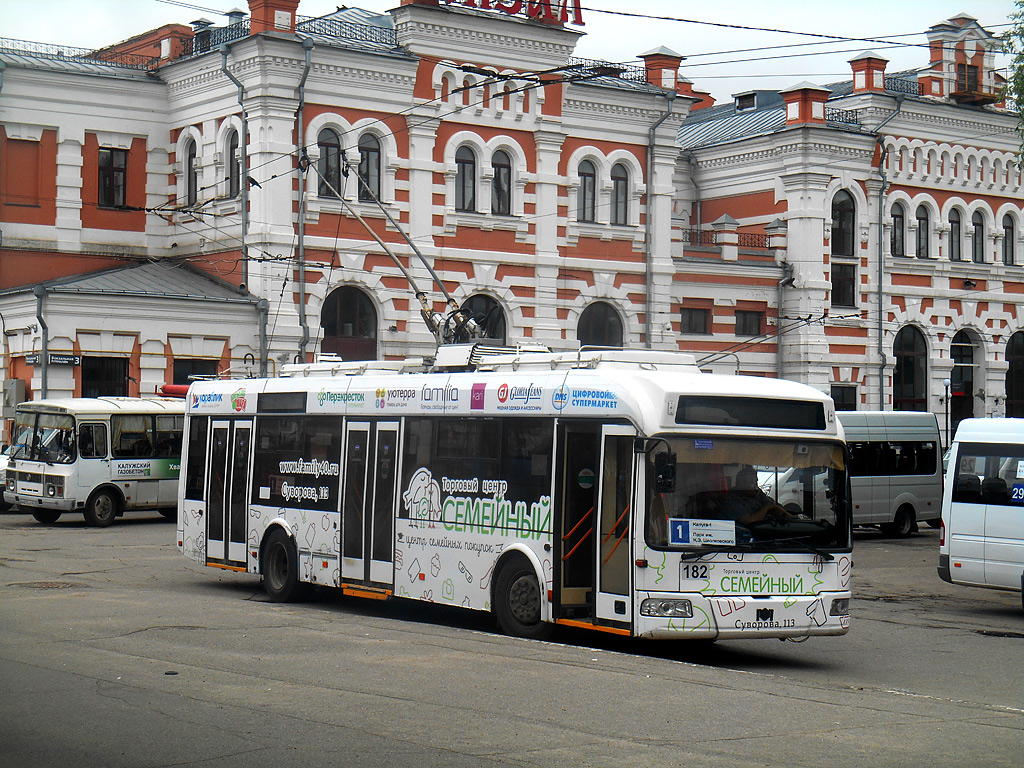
205, 195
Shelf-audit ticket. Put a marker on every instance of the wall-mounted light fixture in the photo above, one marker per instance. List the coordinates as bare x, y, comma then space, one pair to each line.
968, 283
24, 329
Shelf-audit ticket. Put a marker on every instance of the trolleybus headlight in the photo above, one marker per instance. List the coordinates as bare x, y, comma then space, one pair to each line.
667, 607
840, 607
10, 483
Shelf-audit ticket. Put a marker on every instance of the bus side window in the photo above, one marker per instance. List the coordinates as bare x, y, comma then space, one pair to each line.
92, 441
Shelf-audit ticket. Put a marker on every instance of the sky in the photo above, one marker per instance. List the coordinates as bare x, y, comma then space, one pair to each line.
718, 55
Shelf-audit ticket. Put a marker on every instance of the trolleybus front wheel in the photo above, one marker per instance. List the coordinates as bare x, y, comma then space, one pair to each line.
517, 600
280, 567
47, 516
101, 509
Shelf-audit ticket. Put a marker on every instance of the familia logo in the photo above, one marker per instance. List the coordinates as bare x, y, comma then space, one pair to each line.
207, 398
238, 400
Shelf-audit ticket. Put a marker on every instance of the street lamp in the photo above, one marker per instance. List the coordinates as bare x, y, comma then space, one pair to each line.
946, 383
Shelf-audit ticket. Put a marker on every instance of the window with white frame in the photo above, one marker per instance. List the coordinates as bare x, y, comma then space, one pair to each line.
586, 208
465, 180
501, 186
329, 165
369, 167
620, 195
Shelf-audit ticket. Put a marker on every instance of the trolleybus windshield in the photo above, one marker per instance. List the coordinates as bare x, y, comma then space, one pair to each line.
739, 493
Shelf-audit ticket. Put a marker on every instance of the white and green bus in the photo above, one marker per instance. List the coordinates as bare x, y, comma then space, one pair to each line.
99, 456
587, 489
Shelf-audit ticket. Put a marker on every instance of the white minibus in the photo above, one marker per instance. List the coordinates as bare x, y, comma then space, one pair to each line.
895, 468
982, 541
99, 456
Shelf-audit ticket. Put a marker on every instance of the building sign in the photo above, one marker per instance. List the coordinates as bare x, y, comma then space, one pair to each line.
57, 358
547, 11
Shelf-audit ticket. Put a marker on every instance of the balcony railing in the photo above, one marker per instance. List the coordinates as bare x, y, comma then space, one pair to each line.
903, 85
589, 66
848, 116
209, 39
700, 236
753, 240
84, 55
347, 30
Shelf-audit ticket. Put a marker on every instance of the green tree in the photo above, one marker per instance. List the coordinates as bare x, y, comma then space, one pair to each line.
1013, 44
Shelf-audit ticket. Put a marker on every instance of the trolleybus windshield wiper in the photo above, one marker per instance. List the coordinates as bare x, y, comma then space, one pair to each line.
801, 541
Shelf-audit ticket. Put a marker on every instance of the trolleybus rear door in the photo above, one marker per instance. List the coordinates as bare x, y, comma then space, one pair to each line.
371, 477
227, 492
613, 534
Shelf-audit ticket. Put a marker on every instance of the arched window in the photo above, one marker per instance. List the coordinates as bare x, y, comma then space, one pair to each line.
842, 224
1009, 246
349, 322
234, 166
329, 167
899, 228
1015, 375
955, 235
586, 209
923, 235
911, 371
620, 195
191, 175
488, 315
501, 186
465, 179
599, 326
978, 238
961, 401
369, 167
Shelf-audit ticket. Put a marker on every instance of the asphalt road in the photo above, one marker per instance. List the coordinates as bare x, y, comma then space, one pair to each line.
116, 651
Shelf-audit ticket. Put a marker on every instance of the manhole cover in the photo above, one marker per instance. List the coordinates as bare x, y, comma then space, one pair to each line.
45, 584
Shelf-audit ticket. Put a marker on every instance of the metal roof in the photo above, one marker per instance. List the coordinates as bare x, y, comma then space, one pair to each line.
165, 279
740, 125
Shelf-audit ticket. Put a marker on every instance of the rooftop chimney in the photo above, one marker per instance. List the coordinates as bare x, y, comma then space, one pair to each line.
805, 104
868, 73
662, 66
272, 16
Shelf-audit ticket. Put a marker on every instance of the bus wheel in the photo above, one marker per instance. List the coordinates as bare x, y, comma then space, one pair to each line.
47, 516
170, 513
517, 599
903, 524
280, 567
101, 509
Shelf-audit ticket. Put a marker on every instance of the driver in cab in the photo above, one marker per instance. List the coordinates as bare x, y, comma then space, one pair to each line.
746, 503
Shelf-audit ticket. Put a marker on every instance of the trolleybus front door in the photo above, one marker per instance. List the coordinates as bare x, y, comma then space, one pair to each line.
368, 502
595, 546
227, 492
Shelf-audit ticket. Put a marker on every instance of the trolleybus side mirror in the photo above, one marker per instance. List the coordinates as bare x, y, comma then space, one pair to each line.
665, 472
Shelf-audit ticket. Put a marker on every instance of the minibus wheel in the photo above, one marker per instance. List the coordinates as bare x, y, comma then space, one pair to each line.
903, 524
101, 509
47, 516
517, 600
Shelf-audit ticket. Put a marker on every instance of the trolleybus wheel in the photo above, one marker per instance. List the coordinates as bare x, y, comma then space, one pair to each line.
47, 516
280, 567
517, 600
101, 509
171, 513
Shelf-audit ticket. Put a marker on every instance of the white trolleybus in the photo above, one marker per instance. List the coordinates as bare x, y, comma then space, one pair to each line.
606, 489
99, 456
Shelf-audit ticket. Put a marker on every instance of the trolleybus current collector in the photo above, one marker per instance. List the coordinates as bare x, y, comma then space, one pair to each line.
593, 489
